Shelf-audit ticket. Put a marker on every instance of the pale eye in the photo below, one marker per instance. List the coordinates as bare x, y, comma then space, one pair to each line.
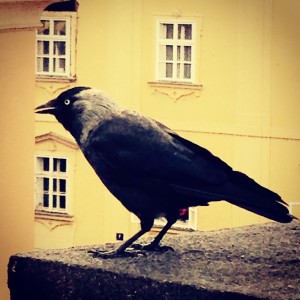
67, 102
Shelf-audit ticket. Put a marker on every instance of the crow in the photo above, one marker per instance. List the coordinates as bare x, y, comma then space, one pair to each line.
149, 168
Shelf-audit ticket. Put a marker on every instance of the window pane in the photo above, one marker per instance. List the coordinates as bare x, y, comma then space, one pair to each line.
43, 64
169, 70
59, 48
166, 31
46, 162
59, 27
59, 65
39, 186
162, 70
184, 31
39, 64
188, 32
169, 52
170, 30
63, 165
178, 71
54, 201
40, 164
54, 185
178, 53
162, 52
46, 200
62, 185
45, 29
59, 165
46, 67
55, 164
165, 52
187, 71
42, 47
187, 53
62, 202
45, 184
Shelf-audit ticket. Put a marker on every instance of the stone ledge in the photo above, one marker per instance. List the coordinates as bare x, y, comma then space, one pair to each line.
22, 14
252, 262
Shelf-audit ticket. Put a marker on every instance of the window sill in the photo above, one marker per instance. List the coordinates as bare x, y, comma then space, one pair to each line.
176, 228
175, 90
53, 216
173, 84
59, 79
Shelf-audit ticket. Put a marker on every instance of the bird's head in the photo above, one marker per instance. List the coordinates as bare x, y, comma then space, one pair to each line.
62, 104
78, 109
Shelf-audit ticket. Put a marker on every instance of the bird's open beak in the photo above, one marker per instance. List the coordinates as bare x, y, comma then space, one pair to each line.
47, 108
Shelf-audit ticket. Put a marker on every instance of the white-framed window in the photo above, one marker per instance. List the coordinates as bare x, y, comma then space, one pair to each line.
52, 184
186, 220
55, 45
175, 51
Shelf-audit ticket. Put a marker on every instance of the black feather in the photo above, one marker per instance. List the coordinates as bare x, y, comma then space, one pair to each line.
72, 93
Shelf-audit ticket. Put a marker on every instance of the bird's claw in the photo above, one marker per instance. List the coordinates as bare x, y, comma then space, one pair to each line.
152, 247
116, 254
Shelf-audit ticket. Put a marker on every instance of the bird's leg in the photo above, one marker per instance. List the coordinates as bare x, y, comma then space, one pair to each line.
146, 225
154, 245
121, 251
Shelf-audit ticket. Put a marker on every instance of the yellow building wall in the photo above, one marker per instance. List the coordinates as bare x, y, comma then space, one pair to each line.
284, 108
243, 108
18, 20
16, 205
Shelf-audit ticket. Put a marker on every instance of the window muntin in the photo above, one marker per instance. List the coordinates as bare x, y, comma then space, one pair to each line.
51, 184
175, 54
53, 47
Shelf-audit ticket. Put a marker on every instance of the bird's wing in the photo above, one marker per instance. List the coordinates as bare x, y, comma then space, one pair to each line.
136, 149
138, 146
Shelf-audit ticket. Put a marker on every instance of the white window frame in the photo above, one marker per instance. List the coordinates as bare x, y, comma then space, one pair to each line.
69, 39
190, 223
51, 176
177, 73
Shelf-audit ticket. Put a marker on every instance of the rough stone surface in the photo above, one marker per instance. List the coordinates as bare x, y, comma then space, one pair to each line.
252, 262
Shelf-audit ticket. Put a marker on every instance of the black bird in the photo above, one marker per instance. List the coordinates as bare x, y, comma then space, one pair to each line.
152, 170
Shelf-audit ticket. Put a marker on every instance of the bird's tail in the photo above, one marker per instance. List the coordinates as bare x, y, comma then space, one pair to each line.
246, 193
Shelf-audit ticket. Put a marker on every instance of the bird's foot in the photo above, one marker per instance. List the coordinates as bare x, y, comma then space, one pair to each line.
152, 247
116, 254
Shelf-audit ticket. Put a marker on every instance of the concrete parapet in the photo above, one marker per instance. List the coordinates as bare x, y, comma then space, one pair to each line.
252, 262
